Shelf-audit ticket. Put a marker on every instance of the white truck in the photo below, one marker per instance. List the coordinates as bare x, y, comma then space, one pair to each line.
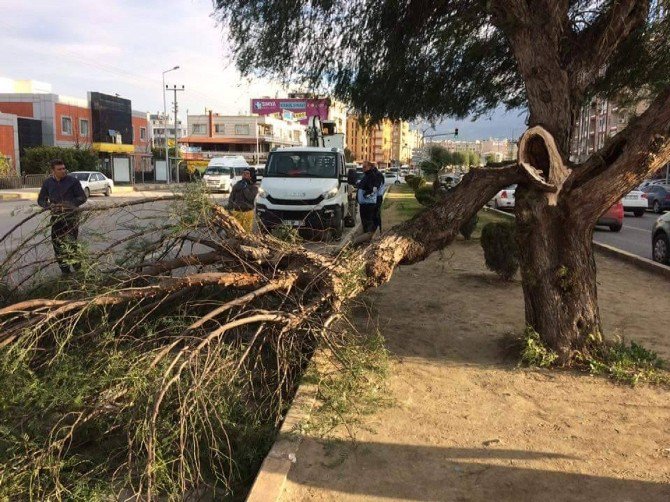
308, 186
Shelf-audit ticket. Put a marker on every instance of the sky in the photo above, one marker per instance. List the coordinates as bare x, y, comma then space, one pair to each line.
123, 46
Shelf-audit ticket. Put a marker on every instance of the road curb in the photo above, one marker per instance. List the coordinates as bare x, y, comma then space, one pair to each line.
639, 262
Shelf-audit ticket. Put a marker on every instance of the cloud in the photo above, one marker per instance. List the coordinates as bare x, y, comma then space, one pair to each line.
123, 47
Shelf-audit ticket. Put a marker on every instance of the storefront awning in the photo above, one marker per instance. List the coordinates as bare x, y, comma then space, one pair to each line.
112, 148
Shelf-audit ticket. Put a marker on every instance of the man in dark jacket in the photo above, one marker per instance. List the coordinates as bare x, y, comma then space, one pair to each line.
241, 200
368, 188
62, 194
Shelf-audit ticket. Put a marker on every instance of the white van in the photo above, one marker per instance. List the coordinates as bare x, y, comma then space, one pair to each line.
223, 172
305, 187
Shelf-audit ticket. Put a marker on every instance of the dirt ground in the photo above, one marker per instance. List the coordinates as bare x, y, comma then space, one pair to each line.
468, 425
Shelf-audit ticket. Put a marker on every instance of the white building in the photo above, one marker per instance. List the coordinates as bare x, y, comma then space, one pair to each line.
159, 124
251, 136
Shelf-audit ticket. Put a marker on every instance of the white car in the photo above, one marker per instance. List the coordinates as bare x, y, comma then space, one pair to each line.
635, 202
94, 182
393, 178
504, 199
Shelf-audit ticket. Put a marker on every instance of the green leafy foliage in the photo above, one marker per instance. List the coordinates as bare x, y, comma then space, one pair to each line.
415, 182
451, 58
37, 159
468, 227
534, 352
628, 363
425, 195
500, 249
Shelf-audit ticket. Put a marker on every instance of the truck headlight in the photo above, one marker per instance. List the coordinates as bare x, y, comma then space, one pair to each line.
262, 193
330, 193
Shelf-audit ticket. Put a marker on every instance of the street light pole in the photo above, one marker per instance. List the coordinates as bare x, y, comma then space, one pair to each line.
165, 134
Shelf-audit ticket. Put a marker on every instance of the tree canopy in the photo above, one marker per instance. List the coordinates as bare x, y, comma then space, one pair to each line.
404, 59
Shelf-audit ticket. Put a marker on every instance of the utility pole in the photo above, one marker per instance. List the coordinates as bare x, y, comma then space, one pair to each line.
175, 89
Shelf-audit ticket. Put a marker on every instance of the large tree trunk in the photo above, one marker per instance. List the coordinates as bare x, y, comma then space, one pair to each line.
558, 273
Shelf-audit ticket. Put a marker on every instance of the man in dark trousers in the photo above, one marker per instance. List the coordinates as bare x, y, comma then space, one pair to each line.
368, 188
62, 194
241, 200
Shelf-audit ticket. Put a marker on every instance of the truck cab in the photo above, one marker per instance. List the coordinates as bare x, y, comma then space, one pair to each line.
305, 187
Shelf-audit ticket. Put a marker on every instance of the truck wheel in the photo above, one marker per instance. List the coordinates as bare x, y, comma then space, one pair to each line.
338, 227
350, 221
639, 213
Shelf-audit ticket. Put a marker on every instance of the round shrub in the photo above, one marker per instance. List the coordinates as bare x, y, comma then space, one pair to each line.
425, 195
415, 182
500, 250
469, 226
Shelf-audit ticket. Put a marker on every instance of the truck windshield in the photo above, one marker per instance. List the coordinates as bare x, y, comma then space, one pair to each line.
302, 165
218, 170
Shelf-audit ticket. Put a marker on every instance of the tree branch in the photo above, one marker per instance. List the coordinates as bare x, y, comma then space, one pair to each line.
415, 239
593, 46
637, 151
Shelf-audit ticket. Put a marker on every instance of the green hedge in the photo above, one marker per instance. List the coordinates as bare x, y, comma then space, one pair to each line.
36, 160
500, 250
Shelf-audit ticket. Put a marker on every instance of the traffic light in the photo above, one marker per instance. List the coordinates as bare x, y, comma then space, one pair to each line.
456, 133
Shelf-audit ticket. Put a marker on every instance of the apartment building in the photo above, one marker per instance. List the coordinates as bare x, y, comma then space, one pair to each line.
103, 122
386, 143
597, 121
162, 129
251, 136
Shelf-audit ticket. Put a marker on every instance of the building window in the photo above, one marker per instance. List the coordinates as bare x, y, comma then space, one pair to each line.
83, 127
199, 129
66, 125
219, 128
143, 133
242, 129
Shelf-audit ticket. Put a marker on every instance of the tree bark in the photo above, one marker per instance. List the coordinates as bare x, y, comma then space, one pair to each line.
558, 273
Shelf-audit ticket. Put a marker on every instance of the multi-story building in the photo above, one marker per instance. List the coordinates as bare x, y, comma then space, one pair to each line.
159, 126
300, 107
105, 123
251, 136
597, 121
385, 143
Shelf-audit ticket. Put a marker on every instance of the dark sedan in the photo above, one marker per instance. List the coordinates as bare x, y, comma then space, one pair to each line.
660, 240
658, 197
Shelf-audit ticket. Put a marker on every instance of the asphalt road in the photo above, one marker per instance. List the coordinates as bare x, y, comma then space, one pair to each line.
634, 237
96, 232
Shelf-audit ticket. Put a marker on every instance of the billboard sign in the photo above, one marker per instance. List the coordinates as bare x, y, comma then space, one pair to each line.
300, 109
111, 117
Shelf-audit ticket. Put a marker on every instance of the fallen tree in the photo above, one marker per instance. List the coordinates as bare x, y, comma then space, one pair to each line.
161, 355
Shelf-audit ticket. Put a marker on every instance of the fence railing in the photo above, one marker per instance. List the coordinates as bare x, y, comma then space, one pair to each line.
25, 181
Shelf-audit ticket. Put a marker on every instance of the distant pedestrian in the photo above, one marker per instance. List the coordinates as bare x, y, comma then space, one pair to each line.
380, 197
241, 200
368, 187
62, 194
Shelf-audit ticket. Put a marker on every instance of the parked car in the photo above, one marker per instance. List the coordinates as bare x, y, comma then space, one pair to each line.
94, 182
504, 199
658, 197
660, 240
635, 202
613, 218
393, 178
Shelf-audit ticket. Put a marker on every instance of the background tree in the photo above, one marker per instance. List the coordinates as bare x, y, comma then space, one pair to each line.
438, 158
411, 58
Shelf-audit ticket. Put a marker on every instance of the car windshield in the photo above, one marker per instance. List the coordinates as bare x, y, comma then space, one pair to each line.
217, 170
81, 176
302, 165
